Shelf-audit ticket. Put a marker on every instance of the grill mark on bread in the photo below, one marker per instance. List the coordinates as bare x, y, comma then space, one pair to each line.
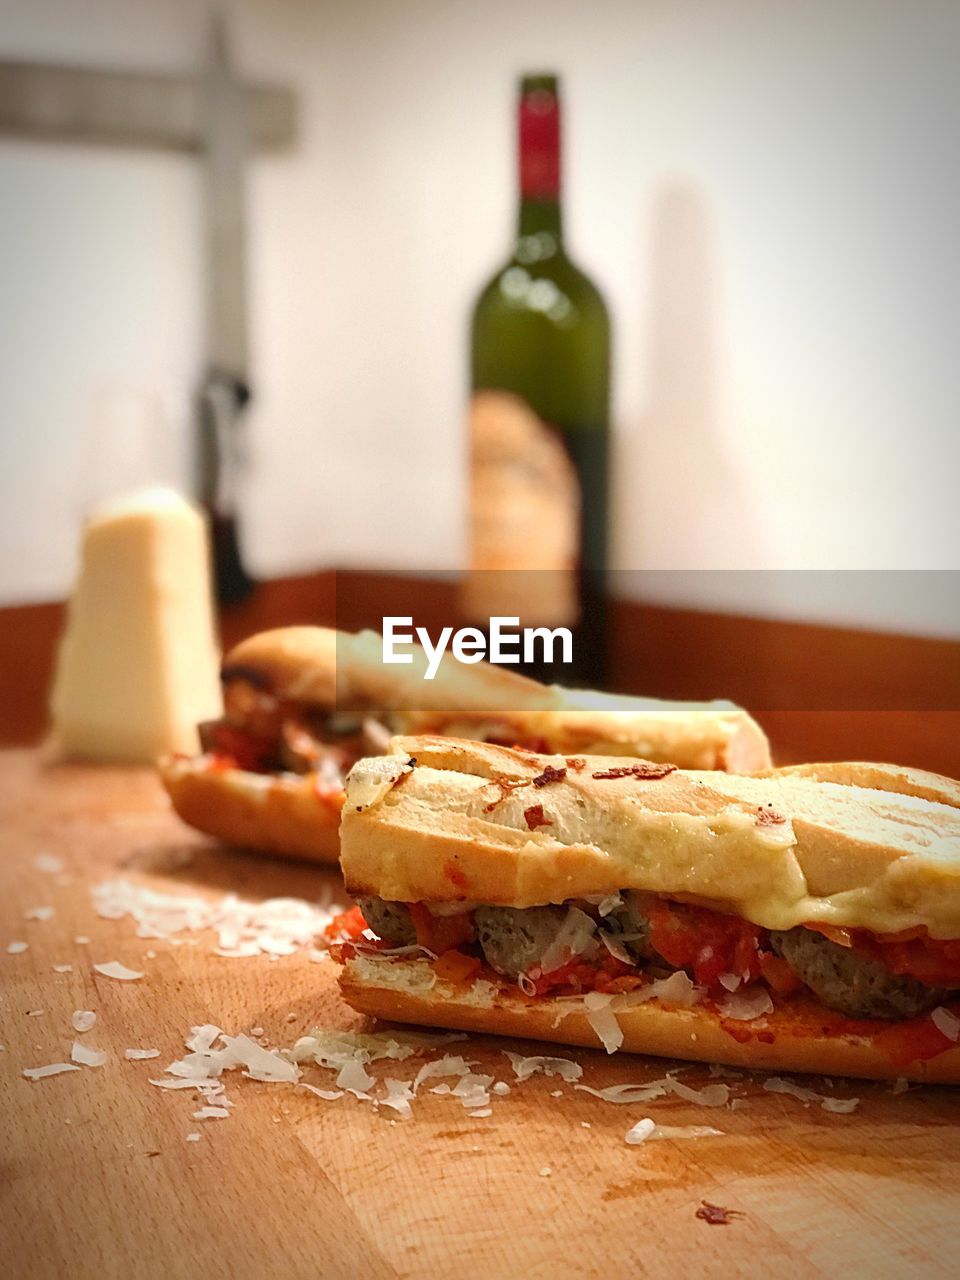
645, 770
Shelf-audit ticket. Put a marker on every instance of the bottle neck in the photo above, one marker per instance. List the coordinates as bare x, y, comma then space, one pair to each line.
539, 216
539, 159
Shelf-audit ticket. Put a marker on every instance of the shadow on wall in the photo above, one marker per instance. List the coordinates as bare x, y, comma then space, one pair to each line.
684, 499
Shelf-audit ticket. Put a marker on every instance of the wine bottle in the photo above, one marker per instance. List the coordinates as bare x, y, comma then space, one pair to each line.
539, 419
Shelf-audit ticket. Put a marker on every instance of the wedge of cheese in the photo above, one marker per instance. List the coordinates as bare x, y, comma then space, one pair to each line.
138, 664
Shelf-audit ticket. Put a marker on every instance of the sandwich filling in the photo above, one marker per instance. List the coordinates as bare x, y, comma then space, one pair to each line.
261, 733
891, 986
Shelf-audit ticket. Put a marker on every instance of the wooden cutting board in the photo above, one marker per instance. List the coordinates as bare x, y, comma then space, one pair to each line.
99, 1179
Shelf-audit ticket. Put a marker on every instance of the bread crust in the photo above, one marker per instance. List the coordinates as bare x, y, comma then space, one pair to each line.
283, 813
712, 736
892, 778
328, 669
779, 851
337, 670
803, 1044
294, 663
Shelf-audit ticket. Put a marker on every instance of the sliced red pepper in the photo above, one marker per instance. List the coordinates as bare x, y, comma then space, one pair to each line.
348, 925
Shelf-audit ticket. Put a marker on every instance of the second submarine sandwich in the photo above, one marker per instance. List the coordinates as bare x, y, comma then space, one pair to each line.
302, 704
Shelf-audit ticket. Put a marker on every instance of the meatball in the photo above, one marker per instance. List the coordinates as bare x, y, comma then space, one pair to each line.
514, 939
629, 926
389, 920
849, 982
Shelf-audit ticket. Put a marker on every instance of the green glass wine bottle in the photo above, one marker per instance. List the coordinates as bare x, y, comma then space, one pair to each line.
539, 419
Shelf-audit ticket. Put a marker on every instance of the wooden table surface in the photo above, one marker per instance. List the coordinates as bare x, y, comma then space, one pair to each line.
100, 1181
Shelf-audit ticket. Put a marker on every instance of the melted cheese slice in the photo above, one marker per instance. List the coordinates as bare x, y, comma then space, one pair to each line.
779, 850
139, 664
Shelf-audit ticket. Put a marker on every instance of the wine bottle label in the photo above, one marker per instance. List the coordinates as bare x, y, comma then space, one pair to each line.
525, 511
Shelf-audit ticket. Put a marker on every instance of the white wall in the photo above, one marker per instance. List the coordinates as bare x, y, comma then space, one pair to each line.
767, 193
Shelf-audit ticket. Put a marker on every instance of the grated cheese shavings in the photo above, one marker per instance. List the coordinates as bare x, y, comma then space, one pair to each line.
712, 1095
48, 863
398, 1097
259, 1063
841, 1106
87, 1057
947, 1023
575, 937
745, 1006
473, 1091
276, 926
449, 1065
334, 1049
640, 1132
354, 1078
201, 1039
52, 1069
524, 1067
328, 1095
603, 1020
622, 1094
82, 1020
685, 1131
119, 972
140, 1055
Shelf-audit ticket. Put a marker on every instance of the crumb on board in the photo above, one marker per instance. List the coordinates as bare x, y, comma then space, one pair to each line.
716, 1215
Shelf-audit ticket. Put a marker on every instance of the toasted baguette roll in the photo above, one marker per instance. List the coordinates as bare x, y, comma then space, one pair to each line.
799, 1037
337, 670
813, 921
287, 814
295, 663
331, 690
779, 850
